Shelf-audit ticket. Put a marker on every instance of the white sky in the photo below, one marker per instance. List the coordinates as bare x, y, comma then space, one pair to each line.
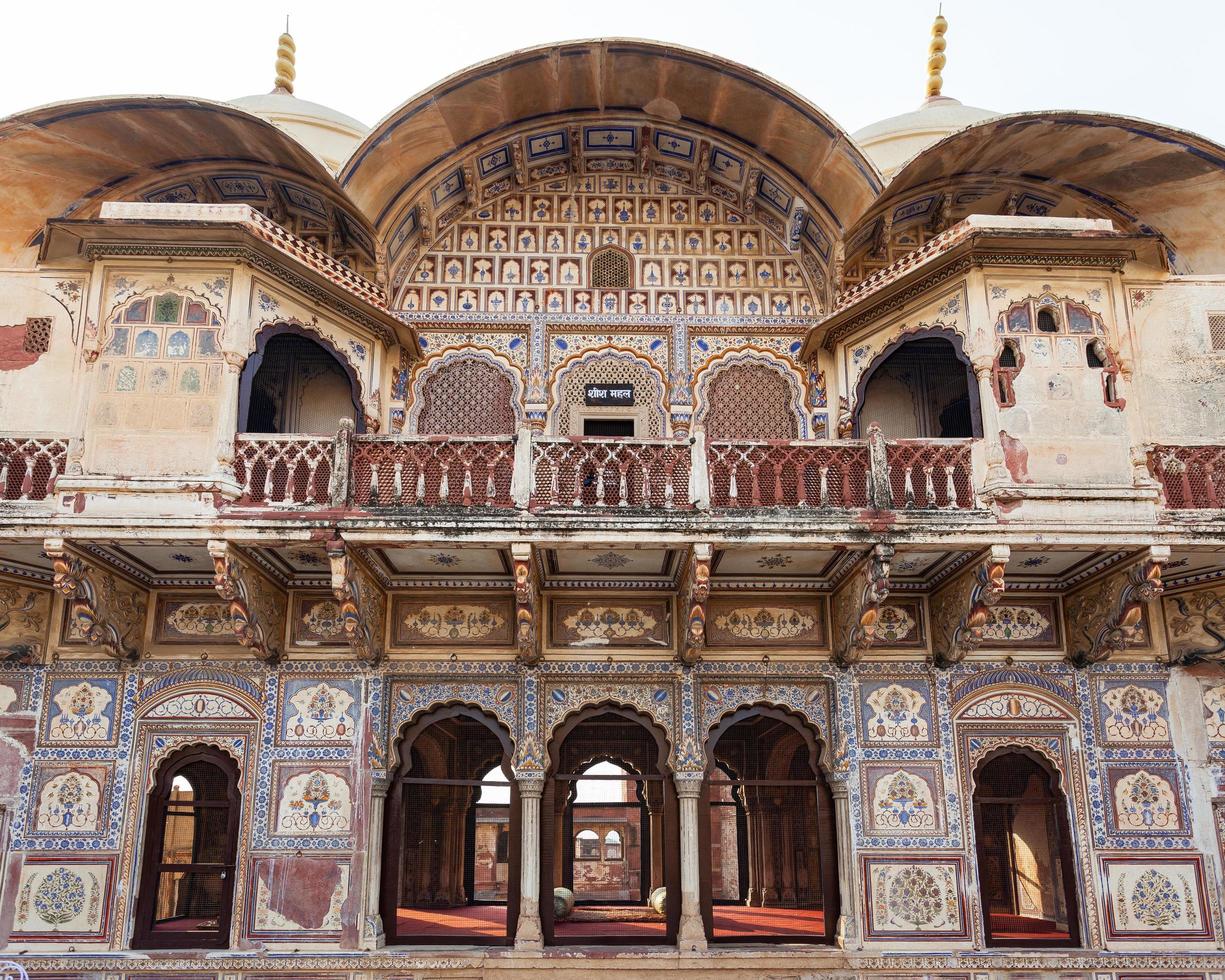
859, 61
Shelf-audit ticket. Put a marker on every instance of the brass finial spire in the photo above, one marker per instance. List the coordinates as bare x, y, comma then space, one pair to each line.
935, 55
285, 50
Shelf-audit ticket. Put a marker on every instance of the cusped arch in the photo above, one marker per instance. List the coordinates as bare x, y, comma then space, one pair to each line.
201, 681
750, 393
609, 364
938, 331
292, 327
1012, 703
469, 390
405, 736
593, 708
804, 728
1004, 680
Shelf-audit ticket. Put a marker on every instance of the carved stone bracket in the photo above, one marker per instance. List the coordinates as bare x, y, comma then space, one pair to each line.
361, 601
105, 613
528, 637
1104, 619
696, 592
961, 609
257, 607
856, 606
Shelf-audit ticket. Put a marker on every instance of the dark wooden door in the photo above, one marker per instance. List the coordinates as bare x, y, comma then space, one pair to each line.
191, 841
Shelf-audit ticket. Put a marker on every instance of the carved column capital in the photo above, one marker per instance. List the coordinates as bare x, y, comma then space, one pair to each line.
961, 609
257, 607
696, 592
689, 784
857, 603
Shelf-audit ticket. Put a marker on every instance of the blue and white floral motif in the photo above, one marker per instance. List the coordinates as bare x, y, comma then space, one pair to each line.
895, 712
1134, 713
1144, 801
60, 899
318, 711
1160, 899
68, 804
315, 802
902, 801
86, 711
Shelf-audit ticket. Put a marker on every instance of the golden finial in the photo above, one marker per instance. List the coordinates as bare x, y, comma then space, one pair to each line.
935, 55
285, 73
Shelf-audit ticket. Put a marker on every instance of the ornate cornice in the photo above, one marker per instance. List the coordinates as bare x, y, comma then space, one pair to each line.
244, 253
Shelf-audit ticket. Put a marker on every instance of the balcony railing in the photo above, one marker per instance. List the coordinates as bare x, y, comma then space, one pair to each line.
535, 473
789, 474
436, 471
1191, 477
284, 470
30, 466
572, 472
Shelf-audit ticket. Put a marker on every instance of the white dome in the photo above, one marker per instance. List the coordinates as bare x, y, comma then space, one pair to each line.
330, 135
893, 141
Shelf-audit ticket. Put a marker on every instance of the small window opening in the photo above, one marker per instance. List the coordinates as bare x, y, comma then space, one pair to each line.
586, 846
1093, 356
1008, 357
617, 428
612, 846
609, 269
1047, 322
1112, 395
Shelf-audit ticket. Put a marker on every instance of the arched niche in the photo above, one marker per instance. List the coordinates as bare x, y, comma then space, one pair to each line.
749, 395
920, 387
569, 415
449, 822
627, 752
1026, 863
769, 853
296, 381
467, 392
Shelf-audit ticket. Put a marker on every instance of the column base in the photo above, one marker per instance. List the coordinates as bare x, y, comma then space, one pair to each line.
691, 935
373, 936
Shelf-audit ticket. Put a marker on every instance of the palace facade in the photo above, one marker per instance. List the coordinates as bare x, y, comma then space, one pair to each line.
609, 513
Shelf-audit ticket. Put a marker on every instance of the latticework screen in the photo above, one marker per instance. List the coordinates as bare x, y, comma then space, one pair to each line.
750, 401
467, 397
610, 269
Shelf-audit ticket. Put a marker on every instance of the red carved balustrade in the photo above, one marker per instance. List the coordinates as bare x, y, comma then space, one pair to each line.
30, 466
788, 474
930, 474
283, 469
573, 472
1191, 477
433, 471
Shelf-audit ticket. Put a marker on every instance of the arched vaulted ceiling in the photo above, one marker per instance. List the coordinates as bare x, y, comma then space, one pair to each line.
1153, 177
64, 160
544, 111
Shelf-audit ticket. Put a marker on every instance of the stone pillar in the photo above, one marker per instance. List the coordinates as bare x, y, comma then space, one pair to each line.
372, 934
989, 411
691, 935
752, 895
655, 821
848, 936
527, 935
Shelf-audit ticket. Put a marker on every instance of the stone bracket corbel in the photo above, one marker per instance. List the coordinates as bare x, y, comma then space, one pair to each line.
1104, 619
87, 594
362, 604
961, 609
695, 594
857, 603
257, 606
528, 637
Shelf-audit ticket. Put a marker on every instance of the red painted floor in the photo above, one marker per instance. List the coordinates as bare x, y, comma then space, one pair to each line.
1012, 927
737, 921
464, 921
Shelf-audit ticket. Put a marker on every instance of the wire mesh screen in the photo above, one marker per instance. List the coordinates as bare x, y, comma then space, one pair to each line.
194, 865
608, 835
765, 847
452, 836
